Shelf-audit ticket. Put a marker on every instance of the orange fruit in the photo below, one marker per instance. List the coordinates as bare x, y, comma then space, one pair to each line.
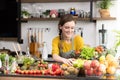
114, 63
110, 70
109, 57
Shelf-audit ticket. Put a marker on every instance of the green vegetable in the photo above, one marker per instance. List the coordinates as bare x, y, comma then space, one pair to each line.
78, 63
2, 57
28, 60
87, 53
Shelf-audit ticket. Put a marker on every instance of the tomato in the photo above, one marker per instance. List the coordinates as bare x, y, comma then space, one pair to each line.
26, 72
22, 72
55, 67
34, 71
17, 71
77, 52
37, 71
58, 71
52, 73
31, 72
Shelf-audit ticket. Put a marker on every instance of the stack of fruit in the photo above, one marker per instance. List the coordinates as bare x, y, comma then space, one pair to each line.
94, 68
105, 66
69, 70
111, 64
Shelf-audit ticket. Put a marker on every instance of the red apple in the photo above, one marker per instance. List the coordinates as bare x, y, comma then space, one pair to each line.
94, 70
87, 64
99, 73
95, 63
102, 68
89, 72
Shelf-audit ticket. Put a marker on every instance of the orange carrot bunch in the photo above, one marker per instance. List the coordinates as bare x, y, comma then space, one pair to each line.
99, 49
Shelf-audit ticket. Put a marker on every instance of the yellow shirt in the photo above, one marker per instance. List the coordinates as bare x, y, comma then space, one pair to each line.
78, 43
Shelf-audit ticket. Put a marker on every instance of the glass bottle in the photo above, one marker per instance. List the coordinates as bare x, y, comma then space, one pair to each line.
7, 61
45, 52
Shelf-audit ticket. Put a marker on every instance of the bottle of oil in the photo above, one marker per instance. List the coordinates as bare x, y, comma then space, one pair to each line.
45, 52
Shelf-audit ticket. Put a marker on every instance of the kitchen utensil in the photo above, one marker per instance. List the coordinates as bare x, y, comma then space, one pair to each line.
81, 32
28, 36
15, 49
102, 36
19, 48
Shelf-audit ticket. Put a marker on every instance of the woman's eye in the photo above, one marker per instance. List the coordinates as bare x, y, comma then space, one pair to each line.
66, 27
72, 28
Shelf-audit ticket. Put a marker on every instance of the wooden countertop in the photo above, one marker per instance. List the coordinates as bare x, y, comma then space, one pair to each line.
41, 77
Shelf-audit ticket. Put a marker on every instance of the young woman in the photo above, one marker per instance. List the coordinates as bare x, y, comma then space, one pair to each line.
64, 45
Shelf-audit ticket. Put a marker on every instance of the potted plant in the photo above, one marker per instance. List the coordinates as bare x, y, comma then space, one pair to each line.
46, 14
117, 43
25, 14
104, 6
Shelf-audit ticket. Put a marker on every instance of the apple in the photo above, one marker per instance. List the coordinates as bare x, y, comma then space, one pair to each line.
102, 68
94, 70
89, 72
97, 72
95, 63
87, 64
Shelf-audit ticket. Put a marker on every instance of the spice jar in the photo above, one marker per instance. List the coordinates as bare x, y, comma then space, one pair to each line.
61, 12
72, 11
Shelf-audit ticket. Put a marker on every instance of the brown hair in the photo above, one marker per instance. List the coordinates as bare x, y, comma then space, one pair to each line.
63, 20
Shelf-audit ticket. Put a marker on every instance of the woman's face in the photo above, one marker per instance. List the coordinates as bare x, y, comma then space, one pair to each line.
68, 29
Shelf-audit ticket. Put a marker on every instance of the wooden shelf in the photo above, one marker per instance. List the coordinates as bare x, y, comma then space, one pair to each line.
48, 1
51, 19
56, 19
39, 19
107, 18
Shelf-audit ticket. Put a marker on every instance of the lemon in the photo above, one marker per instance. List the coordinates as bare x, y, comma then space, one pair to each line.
102, 58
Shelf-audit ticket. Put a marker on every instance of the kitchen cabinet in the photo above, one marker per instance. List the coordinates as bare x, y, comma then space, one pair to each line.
91, 18
9, 24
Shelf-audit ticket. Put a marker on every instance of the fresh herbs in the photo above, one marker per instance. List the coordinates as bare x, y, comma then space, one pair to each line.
104, 4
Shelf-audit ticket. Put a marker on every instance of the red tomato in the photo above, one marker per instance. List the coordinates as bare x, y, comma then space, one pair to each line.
31, 72
34, 72
58, 71
77, 52
26, 72
52, 73
55, 67
37, 71
17, 71
22, 72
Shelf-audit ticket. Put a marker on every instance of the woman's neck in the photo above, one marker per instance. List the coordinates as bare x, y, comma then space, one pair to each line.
66, 39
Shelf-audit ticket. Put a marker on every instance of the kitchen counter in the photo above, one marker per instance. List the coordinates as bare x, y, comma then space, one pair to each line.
11, 76
41, 77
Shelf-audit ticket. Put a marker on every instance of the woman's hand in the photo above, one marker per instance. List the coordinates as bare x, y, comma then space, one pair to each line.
68, 61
